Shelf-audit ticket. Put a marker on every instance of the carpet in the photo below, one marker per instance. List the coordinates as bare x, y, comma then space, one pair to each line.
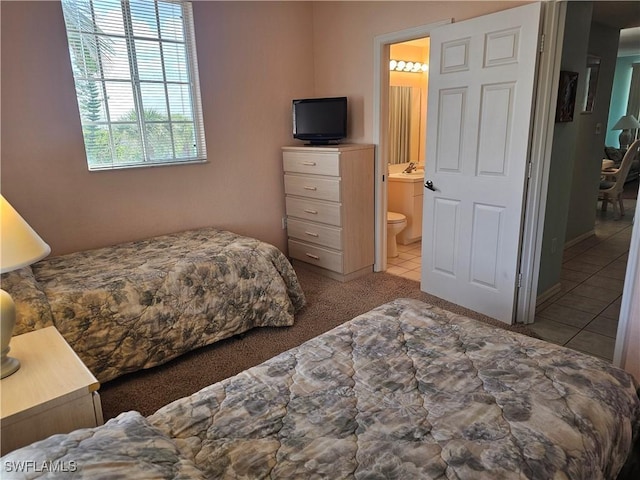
329, 304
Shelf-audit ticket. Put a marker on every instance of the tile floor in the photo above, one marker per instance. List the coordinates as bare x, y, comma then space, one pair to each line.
408, 262
584, 314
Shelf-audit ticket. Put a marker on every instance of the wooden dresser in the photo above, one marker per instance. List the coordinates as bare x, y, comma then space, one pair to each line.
330, 207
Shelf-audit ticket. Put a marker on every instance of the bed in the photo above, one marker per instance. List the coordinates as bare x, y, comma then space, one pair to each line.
139, 304
405, 391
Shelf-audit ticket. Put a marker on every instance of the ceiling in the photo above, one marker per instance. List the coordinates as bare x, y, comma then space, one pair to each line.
629, 42
617, 14
624, 15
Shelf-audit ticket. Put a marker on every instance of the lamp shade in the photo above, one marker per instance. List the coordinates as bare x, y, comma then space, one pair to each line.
627, 122
20, 245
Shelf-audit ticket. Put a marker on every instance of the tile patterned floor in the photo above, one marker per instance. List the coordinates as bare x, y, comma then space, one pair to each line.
584, 314
408, 262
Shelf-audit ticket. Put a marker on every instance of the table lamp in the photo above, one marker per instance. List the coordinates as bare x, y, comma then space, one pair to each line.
20, 246
626, 124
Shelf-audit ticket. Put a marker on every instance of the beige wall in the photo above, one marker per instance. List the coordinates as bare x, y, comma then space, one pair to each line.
344, 34
254, 57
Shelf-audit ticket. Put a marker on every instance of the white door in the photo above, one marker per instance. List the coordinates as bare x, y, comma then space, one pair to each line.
481, 91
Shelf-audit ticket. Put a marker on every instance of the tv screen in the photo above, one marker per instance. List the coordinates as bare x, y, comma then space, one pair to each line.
320, 121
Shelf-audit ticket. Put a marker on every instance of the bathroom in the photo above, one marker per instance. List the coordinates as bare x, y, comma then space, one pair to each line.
408, 87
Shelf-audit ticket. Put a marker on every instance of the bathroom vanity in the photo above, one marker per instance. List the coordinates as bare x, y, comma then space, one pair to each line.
329, 197
404, 195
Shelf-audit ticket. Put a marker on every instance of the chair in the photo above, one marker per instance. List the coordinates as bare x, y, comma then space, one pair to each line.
612, 185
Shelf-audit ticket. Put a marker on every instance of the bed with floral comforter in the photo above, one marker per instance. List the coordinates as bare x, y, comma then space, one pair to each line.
139, 304
406, 391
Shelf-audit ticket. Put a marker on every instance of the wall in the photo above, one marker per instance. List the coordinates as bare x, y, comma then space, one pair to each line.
344, 35
589, 148
565, 137
619, 96
253, 59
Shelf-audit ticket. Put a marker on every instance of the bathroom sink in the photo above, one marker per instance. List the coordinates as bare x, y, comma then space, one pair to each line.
416, 176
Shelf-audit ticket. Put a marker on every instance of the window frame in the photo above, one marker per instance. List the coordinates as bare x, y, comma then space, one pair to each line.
136, 83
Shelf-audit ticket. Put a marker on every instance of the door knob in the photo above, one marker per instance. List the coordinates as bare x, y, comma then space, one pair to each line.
429, 185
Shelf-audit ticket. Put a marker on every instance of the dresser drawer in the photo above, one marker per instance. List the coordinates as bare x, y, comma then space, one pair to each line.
312, 187
315, 233
318, 256
312, 162
314, 210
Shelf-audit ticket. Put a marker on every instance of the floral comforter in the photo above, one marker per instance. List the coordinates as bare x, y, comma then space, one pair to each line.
140, 304
406, 391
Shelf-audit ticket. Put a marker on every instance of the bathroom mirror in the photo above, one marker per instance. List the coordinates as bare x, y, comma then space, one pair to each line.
404, 124
592, 72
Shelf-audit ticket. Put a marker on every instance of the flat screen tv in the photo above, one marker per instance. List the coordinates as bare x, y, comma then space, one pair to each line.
320, 121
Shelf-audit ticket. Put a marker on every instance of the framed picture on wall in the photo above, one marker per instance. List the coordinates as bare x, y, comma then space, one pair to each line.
567, 89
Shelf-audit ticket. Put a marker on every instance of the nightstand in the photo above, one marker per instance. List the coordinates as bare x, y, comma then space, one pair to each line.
52, 392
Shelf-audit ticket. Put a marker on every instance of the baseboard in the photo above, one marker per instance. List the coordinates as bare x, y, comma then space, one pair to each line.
579, 239
546, 295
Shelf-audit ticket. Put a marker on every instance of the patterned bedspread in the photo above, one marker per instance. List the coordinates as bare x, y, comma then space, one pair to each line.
140, 304
406, 391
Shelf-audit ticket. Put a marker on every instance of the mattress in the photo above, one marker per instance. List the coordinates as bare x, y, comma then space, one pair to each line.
139, 304
405, 391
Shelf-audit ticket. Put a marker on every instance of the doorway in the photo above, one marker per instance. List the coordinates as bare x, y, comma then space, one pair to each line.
584, 260
407, 99
382, 82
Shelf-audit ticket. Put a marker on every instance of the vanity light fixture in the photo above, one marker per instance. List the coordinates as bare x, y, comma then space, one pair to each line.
408, 66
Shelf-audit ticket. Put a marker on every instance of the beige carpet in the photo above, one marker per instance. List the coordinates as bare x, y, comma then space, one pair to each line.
329, 303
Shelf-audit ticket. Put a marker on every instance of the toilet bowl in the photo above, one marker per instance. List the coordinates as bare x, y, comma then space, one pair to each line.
396, 222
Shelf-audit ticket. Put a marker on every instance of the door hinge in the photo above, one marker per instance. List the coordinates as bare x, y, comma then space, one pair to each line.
519, 280
530, 169
542, 43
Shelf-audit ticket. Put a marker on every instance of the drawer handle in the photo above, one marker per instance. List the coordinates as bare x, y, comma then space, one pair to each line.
311, 234
312, 212
310, 164
310, 188
315, 257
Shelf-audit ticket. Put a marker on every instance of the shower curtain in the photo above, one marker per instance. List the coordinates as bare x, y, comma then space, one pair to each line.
400, 124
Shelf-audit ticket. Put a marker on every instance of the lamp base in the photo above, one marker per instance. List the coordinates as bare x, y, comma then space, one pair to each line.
625, 139
9, 365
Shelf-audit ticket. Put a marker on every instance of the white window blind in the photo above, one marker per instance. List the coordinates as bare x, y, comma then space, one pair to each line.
136, 78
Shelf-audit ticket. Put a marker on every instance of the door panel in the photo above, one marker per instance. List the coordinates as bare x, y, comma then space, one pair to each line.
445, 213
485, 244
496, 115
450, 130
481, 85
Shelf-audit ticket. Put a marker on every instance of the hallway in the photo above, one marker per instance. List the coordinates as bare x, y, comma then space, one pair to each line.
584, 314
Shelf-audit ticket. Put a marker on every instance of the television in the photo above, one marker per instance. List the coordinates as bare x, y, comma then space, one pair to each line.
320, 121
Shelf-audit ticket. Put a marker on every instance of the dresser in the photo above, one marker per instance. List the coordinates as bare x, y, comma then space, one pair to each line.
329, 196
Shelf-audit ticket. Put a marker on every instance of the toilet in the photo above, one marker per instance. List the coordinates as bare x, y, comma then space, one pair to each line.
396, 222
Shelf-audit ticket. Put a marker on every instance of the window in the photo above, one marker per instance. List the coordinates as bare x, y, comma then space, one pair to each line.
135, 70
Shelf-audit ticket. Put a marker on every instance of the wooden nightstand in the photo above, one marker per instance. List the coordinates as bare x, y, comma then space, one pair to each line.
52, 392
